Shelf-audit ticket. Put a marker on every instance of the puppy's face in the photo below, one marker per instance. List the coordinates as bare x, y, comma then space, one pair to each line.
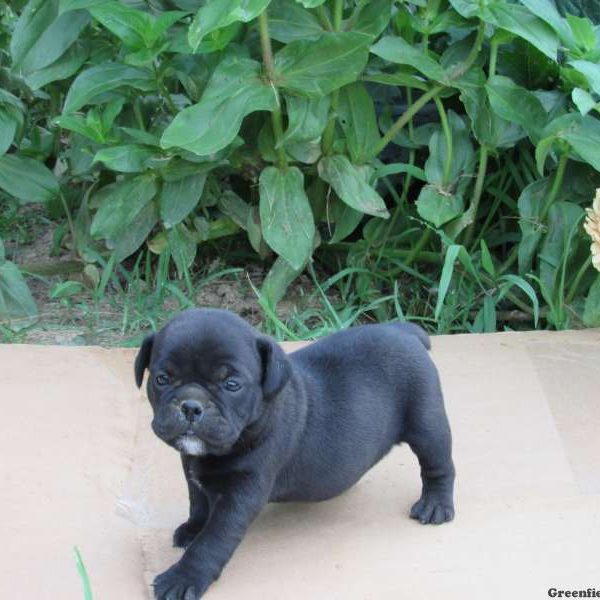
211, 378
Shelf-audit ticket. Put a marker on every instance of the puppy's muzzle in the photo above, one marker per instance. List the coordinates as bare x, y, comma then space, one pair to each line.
192, 410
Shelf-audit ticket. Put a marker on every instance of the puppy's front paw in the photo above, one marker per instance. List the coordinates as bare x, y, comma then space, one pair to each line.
178, 583
185, 533
433, 508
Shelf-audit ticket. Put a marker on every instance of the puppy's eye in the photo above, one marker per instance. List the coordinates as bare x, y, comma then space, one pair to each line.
231, 385
162, 379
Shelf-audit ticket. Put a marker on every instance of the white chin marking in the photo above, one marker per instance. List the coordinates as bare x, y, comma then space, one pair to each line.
190, 444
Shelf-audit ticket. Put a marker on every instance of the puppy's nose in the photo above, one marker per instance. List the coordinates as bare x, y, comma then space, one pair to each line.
192, 409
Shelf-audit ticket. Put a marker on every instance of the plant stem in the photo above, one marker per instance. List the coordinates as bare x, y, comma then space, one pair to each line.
163, 91
477, 191
556, 183
267, 56
410, 112
329, 133
324, 18
573, 289
448, 136
69, 220
493, 57
416, 251
473, 54
338, 13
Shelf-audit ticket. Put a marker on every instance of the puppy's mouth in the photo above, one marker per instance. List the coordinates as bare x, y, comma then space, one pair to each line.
190, 444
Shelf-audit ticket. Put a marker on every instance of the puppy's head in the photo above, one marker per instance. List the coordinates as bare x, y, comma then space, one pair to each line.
211, 378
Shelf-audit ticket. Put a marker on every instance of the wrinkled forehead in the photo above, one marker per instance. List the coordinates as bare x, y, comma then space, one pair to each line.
210, 349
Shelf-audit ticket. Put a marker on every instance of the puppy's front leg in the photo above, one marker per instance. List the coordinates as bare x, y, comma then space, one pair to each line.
209, 552
199, 506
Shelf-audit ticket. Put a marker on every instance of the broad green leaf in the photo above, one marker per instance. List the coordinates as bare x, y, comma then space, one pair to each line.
317, 68
183, 246
307, 151
591, 309
137, 29
591, 72
35, 18
234, 207
462, 153
516, 104
234, 91
255, 237
289, 21
487, 262
53, 42
530, 204
179, 198
546, 10
119, 209
134, 235
278, 279
286, 217
9, 99
396, 79
356, 113
103, 78
446, 276
66, 5
467, 8
346, 220
488, 314
583, 32
65, 289
554, 134
394, 168
489, 128
583, 137
581, 8
220, 13
131, 26
78, 124
215, 228
563, 220
350, 185
68, 64
583, 100
438, 207
521, 22
514, 280
129, 158
17, 306
27, 179
307, 118
311, 3
399, 51
373, 17
10, 120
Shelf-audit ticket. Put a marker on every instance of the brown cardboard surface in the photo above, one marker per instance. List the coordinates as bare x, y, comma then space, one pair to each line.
80, 466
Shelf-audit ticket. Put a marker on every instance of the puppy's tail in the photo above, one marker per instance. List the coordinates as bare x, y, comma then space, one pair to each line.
414, 330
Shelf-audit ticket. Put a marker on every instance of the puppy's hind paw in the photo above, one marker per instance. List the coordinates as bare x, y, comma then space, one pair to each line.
184, 535
432, 509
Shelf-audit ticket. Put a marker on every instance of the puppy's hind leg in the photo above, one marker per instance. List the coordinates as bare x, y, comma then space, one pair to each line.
199, 507
428, 435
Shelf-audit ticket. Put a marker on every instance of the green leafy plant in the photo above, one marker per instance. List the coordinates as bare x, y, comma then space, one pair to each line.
454, 143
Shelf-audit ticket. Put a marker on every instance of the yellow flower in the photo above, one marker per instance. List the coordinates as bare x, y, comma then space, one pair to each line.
592, 227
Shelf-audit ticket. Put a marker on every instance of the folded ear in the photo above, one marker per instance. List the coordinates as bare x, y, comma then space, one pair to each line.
276, 368
142, 360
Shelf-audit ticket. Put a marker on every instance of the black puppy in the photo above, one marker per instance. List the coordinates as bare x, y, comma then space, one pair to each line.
254, 425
